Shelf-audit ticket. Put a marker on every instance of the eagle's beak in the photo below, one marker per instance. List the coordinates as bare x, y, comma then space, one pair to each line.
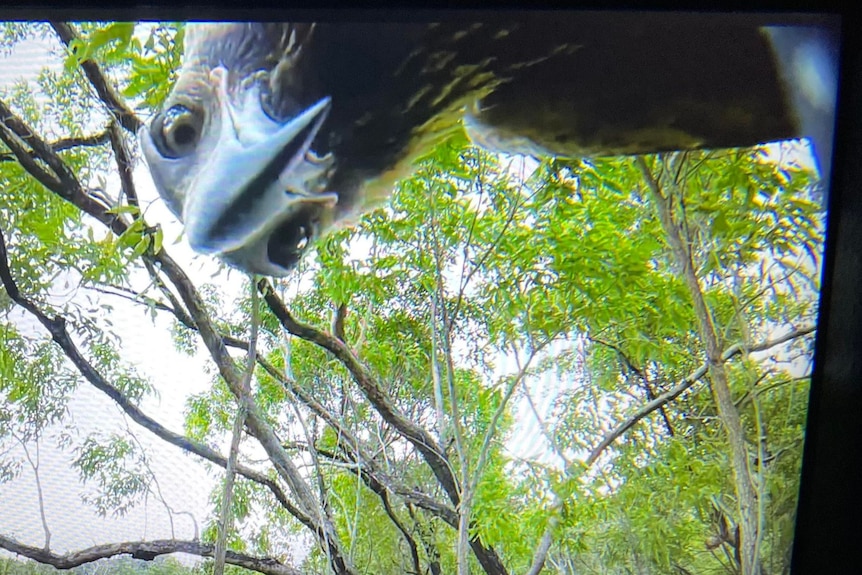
246, 179
255, 176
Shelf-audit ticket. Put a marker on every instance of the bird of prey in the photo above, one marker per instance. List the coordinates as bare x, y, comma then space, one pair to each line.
274, 132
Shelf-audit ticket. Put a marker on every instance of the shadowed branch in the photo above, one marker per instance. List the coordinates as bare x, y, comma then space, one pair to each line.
144, 550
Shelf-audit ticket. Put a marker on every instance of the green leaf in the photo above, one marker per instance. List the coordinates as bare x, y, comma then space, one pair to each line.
158, 237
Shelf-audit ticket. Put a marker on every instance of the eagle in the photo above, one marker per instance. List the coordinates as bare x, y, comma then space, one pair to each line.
276, 132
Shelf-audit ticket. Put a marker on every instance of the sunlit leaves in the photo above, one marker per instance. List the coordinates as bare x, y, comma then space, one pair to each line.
154, 64
209, 412
109, 41
117, 466
500, 515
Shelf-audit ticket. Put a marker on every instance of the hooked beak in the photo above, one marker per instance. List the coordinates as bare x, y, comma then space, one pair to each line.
247, 188
254, 194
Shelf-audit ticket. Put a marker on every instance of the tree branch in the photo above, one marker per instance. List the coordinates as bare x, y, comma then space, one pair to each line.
377, 487
15, 133
118, 109
144, 550
375, 394
15, 143
663, 189
658, 402
363, 462
367, 465
64, 144
256, 424
641, 373
686, 383
380, 400
124, 164
378, 480
57, 328
225, 517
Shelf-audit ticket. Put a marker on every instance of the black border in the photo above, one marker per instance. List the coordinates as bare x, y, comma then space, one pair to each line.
828, 522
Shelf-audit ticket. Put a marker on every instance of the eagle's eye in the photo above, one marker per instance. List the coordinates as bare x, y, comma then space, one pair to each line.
288, 242
177, 130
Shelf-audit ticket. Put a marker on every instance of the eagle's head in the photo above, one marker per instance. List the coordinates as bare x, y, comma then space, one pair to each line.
232, 155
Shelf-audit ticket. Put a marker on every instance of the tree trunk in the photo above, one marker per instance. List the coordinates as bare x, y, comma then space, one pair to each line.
746, 496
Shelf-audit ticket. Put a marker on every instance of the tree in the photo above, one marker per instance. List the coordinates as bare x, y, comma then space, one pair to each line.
666, 305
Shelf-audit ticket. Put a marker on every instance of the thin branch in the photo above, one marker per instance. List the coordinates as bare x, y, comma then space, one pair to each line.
466, 506
687, 382
179, 310
144, 550
362, 462
544, 546
145, 461
339, 314
445, 339
420, 438
491, 248
439, 401
414, 550
133, 297
485, 450
647, 384
118, 109
377, 487
543, 426
426, 536
125, 165
335, 423
34, 465
224, 523
377, 479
